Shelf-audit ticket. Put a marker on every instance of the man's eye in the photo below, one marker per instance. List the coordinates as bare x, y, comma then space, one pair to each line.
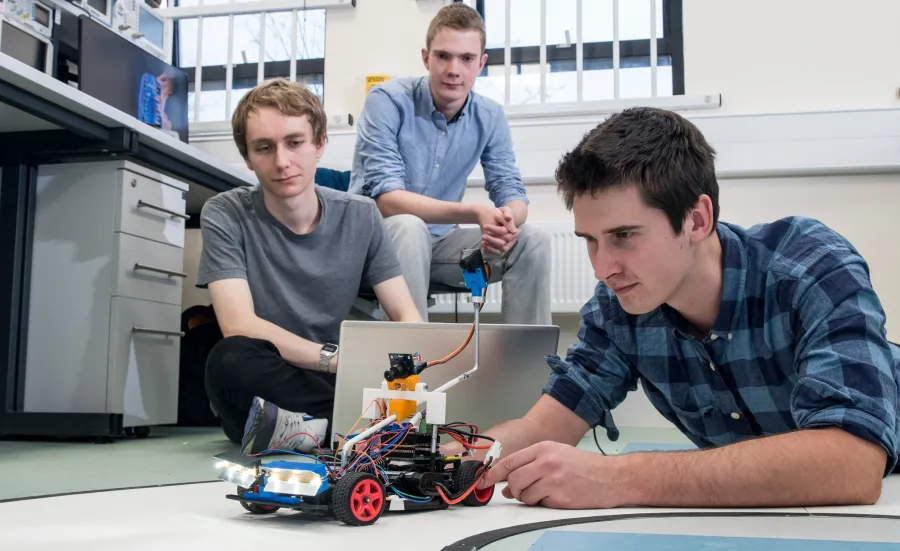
624, 235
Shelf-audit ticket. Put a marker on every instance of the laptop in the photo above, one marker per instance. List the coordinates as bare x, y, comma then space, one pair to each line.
511, 373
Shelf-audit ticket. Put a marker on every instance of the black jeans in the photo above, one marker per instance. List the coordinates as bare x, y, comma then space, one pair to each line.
241, 368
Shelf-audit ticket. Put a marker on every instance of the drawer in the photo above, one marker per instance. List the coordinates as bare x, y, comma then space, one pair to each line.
150, 209
144, 351
148, 270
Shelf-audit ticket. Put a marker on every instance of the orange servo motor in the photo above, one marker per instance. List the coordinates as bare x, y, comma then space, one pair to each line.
403, 408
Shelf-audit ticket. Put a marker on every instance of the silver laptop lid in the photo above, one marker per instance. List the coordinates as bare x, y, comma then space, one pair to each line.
511, 373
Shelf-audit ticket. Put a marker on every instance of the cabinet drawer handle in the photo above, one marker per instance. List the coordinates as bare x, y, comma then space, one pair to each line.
139, 266
157, 332
142, 203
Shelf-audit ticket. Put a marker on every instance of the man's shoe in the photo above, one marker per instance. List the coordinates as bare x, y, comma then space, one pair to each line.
269, 427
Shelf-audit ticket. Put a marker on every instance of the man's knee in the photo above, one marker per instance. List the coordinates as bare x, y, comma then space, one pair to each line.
408, 229
534, 244
231, 354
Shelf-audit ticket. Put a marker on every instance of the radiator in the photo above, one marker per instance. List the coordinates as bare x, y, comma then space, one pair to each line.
572, 279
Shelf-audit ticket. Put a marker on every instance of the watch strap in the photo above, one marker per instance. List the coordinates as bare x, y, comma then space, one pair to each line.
324, 360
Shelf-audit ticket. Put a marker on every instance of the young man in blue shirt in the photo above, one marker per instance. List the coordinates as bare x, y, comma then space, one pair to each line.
765, 346
418, 140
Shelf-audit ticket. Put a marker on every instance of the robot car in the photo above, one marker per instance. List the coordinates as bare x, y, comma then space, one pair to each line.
394, 463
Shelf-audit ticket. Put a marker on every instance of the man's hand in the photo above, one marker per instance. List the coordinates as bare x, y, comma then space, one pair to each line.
558, 476
498, 230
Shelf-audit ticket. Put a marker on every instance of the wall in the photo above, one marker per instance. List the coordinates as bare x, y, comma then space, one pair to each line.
800, 55
377, 37
833, 163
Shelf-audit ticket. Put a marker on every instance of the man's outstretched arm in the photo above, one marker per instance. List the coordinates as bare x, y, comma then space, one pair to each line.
813, 467
804, 468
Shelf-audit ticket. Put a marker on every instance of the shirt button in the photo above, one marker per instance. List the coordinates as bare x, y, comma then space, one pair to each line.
729, 336
713, 337
735, 415
712, 366
437, 165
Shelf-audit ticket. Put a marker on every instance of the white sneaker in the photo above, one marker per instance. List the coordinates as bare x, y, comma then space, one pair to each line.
270, 427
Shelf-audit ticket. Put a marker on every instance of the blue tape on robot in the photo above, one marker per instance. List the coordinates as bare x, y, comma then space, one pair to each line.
475, 282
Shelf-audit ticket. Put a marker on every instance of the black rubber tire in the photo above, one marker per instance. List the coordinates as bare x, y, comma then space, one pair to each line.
466, 475
256, 508
352, 509
142, 431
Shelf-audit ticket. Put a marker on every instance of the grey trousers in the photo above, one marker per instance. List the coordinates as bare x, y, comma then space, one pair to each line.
524, 269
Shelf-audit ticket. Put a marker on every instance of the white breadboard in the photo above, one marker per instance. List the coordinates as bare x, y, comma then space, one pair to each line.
572, 279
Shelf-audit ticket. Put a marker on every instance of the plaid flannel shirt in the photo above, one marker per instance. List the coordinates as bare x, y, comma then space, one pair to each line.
799, 342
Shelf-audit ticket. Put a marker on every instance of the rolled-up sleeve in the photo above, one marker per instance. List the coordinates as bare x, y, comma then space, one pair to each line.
502, 179
377, 152
848, 369
595, 377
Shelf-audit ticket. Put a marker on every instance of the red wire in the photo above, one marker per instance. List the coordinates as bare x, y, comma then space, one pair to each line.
449, 501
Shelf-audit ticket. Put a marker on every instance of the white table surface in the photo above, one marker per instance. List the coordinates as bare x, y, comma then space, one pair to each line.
197, 516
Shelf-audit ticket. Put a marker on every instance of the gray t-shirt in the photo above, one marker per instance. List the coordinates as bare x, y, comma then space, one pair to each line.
305, 284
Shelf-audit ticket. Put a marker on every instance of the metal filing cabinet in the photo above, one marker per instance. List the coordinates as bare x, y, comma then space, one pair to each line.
104, 313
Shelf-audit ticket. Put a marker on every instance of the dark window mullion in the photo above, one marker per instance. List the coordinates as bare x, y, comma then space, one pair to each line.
592, 50
243, 71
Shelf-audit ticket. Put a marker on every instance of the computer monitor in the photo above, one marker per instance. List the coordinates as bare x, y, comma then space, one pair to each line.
151, 30
24, 46
99, 9
121, 74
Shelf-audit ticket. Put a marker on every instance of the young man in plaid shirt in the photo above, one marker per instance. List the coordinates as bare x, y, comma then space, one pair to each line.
765, 346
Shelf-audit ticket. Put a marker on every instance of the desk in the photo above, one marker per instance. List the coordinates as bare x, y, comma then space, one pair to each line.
46, 122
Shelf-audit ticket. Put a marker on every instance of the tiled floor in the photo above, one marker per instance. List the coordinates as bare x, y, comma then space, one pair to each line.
182, 455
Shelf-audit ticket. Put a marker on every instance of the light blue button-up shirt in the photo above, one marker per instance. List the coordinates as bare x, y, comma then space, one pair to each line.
404, 142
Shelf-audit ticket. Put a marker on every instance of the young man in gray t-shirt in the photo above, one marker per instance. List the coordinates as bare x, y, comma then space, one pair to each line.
283, 262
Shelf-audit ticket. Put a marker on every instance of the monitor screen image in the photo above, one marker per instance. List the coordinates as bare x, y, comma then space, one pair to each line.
126, 77
23, 46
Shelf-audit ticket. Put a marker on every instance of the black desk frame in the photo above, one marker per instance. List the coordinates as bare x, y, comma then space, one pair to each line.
21, 153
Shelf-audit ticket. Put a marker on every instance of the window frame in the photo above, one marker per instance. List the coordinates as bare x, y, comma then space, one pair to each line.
213, 75
670, 44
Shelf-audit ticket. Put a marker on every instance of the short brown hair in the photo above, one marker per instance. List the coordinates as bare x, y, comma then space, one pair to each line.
660, 152
290, 98
459, 17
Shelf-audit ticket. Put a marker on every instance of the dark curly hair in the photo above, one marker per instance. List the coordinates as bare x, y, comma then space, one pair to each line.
660, 152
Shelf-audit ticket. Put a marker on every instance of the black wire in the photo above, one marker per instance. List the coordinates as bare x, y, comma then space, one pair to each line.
469, 434
597, 442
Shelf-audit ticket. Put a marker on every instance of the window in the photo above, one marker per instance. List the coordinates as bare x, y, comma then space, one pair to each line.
247, 38
599, 80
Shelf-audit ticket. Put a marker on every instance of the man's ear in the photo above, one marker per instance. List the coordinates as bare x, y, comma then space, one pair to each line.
425, 58
701, 219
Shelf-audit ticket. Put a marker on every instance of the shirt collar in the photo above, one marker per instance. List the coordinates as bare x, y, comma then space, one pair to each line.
734, 282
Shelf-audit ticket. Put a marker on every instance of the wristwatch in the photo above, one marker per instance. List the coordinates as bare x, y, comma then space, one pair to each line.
328, 351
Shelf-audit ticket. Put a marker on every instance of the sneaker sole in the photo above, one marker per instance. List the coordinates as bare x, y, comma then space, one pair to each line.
257, 429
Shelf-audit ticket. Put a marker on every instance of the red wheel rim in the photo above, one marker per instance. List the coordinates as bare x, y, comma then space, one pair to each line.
484, 494
366, 500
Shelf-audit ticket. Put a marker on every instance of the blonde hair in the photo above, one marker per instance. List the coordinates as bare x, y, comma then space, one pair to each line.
290, 98
459, 17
